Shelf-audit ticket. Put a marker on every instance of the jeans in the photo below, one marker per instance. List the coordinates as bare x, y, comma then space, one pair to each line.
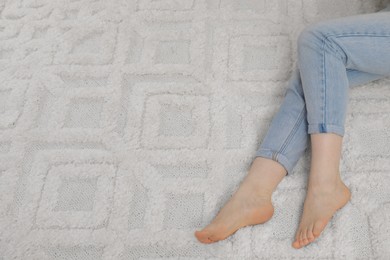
332, 56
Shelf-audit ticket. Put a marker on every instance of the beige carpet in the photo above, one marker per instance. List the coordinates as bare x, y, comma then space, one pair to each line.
126, 125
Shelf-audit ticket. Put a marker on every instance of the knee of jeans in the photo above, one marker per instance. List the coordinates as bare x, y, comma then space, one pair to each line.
310, 36
316, 36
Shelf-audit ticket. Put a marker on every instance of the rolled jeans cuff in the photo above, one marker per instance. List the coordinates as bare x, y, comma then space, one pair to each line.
276, 156
325, 128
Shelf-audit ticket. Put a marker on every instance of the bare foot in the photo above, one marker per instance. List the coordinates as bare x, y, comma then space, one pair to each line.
251, 204
245, 208
320, 205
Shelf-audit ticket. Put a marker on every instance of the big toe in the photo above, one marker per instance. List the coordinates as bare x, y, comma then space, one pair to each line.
296, 244
204, 235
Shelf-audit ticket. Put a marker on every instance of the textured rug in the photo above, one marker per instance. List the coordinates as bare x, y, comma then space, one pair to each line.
126, 125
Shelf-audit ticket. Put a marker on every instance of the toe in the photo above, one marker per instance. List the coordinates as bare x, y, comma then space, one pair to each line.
296, 244
208, 241
203, 236
304, 240
216, 237
298, 234
199, 235
309, 234
301, 237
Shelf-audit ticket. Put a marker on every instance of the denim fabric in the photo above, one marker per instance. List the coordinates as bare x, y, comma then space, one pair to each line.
333, 56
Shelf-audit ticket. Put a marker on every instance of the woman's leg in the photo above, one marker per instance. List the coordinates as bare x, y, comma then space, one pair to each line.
251, 204
280, 149
326, 52
287, 136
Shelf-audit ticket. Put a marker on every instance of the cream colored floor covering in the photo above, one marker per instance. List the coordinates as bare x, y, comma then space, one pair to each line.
126, 126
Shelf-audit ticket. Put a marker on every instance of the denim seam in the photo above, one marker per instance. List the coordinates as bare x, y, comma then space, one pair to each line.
349, 35
323, 108
274, 155
356, 34
326, 124
293, 131
320, 125
335, 49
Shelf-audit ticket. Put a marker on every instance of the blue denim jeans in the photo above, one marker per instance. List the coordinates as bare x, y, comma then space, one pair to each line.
333, 56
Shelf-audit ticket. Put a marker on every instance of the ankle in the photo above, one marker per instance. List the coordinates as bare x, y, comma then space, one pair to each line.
262, 183
325, 175
261, 190
263, 180
325, 184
